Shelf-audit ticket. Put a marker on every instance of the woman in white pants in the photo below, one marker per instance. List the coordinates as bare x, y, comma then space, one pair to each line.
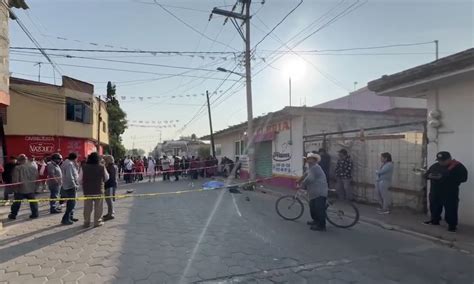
383, 182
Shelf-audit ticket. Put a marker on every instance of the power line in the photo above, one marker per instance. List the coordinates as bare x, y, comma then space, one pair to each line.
137, 63
373, 47
127, 51
278, 24
32, 39
190, 26
345, 12
174, 6
165, 75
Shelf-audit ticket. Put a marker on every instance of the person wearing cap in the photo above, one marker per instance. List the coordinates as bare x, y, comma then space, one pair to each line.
70, 185
445, 176
344, 175
25, 175
316, 184
54, 181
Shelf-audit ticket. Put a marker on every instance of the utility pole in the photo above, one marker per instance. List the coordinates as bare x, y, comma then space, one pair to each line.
213, 148
436, 42
99, 120
248, 76
39, 70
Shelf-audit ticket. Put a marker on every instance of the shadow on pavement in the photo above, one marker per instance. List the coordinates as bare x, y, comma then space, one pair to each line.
23, 248
26, 235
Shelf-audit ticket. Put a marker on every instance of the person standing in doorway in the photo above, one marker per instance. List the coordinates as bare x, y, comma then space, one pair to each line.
7, 177
325, 162
445, 176
383, 181
70, 185
54, 181
316, 184
344, 175
25, 177
94, 175
110, 187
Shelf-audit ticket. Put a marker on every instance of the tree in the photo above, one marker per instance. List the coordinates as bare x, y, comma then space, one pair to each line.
135, 152
204, 151
193, 137
117, 123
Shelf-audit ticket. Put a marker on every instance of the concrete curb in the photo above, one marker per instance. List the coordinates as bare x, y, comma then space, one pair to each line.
392, 227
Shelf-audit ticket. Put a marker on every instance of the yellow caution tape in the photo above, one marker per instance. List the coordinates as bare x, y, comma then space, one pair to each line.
121, 196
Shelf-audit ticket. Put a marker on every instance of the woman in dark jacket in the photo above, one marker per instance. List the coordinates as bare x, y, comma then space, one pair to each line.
110, 186
93, 176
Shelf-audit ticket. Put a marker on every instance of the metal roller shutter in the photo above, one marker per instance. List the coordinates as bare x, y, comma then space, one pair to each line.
263, 159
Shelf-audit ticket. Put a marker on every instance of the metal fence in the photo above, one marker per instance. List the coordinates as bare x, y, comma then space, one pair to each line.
405, 142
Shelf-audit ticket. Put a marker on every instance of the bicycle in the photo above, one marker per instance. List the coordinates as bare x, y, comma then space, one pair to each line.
340, 213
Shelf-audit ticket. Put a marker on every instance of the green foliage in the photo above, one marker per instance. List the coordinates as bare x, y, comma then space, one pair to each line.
204, 151
117, 123
135, 152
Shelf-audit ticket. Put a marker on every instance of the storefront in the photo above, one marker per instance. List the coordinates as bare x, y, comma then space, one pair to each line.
40, 146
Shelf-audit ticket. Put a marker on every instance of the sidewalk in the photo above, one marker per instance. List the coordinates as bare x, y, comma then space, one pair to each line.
404, 221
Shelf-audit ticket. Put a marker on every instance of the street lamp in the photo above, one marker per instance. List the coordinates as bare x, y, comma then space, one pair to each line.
230, 71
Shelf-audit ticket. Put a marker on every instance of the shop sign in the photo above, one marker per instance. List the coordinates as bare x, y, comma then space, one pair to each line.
39, 138
276, 127
281, 157
38, 148
284, 168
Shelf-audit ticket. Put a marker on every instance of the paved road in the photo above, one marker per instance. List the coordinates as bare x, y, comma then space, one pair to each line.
217, 237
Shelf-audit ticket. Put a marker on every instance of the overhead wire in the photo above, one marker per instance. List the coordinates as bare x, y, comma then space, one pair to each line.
278, 24
189, 26
165, 75
332, 20
133, 62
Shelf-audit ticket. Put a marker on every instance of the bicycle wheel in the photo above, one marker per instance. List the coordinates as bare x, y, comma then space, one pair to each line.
289, 207
342, 213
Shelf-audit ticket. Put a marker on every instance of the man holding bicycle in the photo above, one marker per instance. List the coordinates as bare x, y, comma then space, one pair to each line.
315, 183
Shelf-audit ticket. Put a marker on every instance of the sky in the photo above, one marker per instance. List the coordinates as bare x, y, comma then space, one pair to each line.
319, 76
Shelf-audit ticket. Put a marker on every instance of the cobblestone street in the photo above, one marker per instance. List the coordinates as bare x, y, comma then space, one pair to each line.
216, 237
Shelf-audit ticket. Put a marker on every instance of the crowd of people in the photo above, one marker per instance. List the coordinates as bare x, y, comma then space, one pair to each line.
96, 175
445, 176
135, 169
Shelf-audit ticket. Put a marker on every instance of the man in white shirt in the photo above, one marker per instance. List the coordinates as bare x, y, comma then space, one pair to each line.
151, 169
128, 163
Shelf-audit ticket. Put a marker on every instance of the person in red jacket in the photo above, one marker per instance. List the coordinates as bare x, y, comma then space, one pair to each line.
140, 168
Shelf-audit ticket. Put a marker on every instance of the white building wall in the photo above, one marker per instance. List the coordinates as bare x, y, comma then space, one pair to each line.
456, 135
289, 142
226, 143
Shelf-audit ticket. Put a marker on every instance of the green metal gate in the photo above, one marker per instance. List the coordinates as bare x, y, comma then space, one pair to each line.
263, 159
